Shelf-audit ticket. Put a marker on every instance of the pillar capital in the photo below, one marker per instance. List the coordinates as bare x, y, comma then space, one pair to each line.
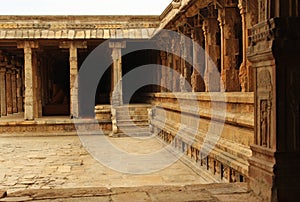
117, 44
73, 44
242, 6
27, 44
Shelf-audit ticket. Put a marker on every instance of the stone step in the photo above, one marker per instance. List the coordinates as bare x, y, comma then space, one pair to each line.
125, 113
132, 134
132, 116
132, 122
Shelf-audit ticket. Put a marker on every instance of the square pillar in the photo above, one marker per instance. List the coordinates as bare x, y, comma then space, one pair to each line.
229, 19
163, 81
9, 101
211, 32
117, 94
73, 81
14, 91
30, 94
73, 59
3, 90
19, 90
198, 61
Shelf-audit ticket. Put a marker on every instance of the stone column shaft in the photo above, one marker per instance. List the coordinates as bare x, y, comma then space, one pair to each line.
198, 62
29, 83
73, 81
117, 94
212, 59
170, 66
163, 80
19, 91
9, 101
14, 91
3, 92
229, 19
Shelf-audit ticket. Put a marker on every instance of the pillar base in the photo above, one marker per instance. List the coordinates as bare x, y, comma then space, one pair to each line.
261, 172
274, 181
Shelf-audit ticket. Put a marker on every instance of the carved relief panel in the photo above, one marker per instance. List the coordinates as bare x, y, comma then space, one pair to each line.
264, 107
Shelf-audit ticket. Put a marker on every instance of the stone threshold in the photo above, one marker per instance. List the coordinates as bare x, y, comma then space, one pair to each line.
199, 192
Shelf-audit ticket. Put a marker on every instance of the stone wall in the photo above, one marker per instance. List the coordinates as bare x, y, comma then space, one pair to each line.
214, 130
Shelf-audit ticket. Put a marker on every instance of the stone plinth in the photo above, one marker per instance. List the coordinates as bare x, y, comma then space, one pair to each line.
103, 113
179, 122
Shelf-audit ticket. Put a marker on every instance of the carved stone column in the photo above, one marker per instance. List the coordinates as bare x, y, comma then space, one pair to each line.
73, 59
211, 32
176, 66
185, 76
14, 90
117, 94
30, 95
158, 74
244, 74
19, 90
170, 72
198, 61
163, 81
229, 20
9, 101
3, 90
275, 162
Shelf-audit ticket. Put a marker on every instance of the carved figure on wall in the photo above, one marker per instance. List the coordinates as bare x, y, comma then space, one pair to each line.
264, 132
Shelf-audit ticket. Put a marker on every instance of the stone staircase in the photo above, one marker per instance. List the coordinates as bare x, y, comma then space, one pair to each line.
132, 120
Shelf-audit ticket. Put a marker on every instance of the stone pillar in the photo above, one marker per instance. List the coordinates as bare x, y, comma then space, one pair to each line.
198, 61
169, 77
176, 65
212, 48
73, 81
243, 73
3, 90
159, 75
275, 162
9, 101
14, 91
19, 91
185, 70
163, 81
73, 59
229, 20
117, 94
187, 55
30, 87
